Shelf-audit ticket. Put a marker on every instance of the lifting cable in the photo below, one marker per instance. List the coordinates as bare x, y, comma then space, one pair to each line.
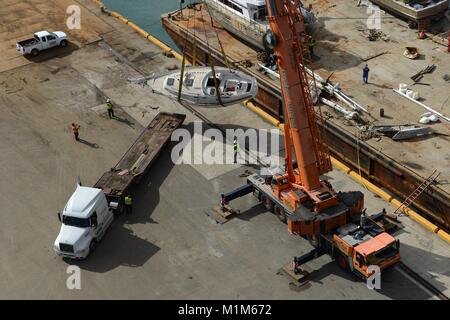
225, 58
194, 49
358, 137
213, 70
183, 62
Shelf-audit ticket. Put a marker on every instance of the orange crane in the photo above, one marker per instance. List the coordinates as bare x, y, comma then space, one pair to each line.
304, 185
335, 223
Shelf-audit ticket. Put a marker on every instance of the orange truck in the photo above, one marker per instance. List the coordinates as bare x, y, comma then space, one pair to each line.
356, 247
355, 243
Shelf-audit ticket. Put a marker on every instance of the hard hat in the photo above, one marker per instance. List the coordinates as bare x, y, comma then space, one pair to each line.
108, 100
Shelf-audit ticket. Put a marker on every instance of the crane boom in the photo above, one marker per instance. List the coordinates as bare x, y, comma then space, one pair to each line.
297, 99
301, 131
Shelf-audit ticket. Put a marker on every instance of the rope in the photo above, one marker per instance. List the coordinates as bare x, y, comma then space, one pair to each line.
194, 50
225, 58
216, 85
359, 163
183, 64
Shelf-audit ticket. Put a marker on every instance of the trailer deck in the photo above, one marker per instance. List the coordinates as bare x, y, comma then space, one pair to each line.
136, 161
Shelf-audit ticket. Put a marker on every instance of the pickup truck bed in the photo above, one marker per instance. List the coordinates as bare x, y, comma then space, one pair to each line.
140, 156
27, 42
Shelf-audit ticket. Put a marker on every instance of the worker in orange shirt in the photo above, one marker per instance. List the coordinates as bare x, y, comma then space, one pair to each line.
76, 130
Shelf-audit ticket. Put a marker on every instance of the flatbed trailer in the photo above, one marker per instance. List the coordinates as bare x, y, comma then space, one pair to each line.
90, 210
140, 156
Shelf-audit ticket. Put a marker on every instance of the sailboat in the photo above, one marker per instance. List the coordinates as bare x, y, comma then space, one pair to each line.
200, 88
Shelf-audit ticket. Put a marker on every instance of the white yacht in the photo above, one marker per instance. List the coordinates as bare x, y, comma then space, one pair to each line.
199, 87
247, 19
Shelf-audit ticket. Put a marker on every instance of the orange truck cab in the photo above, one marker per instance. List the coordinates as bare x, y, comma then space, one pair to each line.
357, 248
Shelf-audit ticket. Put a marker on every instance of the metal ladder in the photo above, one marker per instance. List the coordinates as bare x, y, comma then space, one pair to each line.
413, 196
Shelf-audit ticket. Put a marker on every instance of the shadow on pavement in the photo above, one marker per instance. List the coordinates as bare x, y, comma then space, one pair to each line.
89, 144
119, 247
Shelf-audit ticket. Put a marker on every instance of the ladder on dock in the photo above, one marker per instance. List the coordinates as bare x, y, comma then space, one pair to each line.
420, 189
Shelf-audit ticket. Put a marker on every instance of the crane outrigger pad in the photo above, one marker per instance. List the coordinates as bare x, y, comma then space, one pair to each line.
299, 279
222, 214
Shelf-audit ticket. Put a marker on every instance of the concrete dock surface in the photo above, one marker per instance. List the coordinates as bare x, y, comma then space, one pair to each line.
168, 248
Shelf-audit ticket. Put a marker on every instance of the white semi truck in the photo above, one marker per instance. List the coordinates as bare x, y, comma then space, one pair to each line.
90, 210
41, 41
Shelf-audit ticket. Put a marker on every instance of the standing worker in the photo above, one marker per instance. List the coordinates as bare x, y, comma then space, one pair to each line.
236, 149
366, 74
76, 130
128, 204
448, 39
110, 108
311, 44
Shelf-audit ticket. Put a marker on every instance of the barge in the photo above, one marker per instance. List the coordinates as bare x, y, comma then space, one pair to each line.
379, 166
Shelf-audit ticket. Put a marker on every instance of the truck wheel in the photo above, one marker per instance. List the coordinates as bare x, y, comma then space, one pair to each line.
269, 41
342, 261
280, 214
63, 43
92, 246
34, 52
267, 203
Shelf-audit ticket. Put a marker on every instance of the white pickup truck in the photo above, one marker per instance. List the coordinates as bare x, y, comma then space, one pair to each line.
42, 40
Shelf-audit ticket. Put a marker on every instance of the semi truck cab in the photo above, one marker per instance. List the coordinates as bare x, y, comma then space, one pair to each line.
85, 219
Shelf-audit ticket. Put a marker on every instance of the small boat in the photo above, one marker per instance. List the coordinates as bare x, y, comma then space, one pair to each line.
415, 11
247, 19
199, 87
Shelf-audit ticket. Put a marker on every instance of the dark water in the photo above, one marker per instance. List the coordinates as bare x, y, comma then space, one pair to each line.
146, 14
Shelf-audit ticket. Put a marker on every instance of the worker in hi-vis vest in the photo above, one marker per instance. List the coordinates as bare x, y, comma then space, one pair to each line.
110, 108
235, 149
128, 204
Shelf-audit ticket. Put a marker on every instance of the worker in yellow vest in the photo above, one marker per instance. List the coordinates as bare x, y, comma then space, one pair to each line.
311, 44
109, 106
128, 204
236, 149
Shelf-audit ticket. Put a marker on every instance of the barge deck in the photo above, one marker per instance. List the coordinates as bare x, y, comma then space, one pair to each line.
400, 167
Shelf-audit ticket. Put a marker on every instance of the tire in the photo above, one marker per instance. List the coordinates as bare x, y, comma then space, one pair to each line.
63, 43
267, 203
281, 214
34, 52
269, 41
92, 246
342, 261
